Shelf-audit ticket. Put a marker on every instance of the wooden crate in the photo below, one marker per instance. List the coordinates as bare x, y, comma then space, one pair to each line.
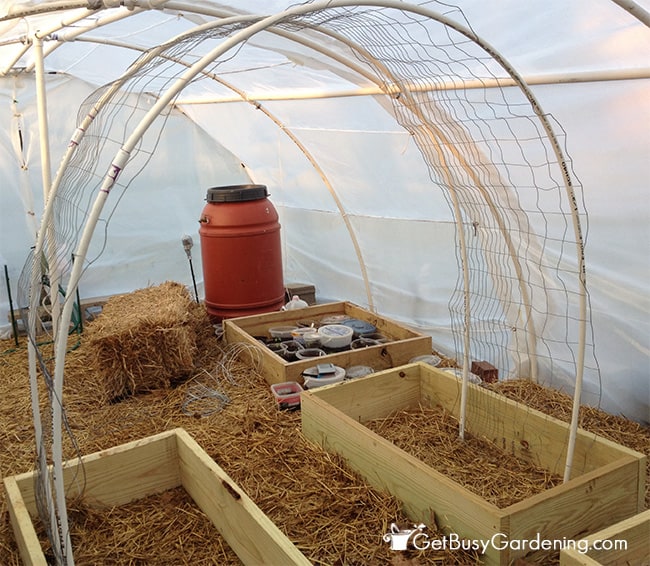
152, 465
405, 344
607, 483
635, 531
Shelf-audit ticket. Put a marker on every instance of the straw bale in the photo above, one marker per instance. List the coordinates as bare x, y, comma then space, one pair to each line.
144, 340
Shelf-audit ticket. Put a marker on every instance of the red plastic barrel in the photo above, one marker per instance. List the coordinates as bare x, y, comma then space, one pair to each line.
241, 252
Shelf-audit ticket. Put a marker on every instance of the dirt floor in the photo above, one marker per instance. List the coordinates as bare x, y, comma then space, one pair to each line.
329, 512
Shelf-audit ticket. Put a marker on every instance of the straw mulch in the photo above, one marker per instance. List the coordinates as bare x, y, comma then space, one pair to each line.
560, 405
143, 340
329, 512
431, 435
158, 530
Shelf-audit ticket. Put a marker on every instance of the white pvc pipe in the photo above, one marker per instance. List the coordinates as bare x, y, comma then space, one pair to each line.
637, 11
15, 59
122, 157
56, 43
20, 11
41, 108
41, 455
64, 547
312, 94
582, 291
72, 18
440, 140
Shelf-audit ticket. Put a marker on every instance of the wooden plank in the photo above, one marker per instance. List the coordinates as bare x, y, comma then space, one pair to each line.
427, 495
151, 465
379, 357
577, 507
108, 478
274, 365
634, 530
27, 541
578, 560
527, 433
116, 475
363, 400
248, 531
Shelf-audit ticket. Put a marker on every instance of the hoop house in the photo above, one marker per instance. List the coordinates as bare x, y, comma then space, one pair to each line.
470, 171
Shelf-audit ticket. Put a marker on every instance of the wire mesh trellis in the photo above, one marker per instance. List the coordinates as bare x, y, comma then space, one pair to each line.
487, 149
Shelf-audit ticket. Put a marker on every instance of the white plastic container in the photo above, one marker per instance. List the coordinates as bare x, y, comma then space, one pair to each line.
458, 372
363, 342
292, 347
312, 338
315, 379
430, 359
282, 332
277, 348
295, 303
335, 336
300, 333
307, 353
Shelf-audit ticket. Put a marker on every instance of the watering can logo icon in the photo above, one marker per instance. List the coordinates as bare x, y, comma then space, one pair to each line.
399, 538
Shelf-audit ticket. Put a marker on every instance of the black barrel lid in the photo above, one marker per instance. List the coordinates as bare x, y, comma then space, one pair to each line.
236, 193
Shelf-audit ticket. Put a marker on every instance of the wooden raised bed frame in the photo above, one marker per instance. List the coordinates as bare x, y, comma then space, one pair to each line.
406, 343
635, 530
152, 465
607, 484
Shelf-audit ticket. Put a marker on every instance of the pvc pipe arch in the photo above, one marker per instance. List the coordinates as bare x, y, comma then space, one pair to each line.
269, 21
122, 157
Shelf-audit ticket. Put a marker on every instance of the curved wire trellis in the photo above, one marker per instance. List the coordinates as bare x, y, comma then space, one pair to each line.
493, 153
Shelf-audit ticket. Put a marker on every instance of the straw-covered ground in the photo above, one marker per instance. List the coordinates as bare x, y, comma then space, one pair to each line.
150, 363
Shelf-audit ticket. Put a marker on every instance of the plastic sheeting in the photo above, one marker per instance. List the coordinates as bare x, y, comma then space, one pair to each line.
379, 187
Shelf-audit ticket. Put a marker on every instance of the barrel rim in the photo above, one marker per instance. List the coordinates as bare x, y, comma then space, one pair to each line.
236, 193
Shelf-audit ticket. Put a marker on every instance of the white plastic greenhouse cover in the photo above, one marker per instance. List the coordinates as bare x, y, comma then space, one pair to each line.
325, 141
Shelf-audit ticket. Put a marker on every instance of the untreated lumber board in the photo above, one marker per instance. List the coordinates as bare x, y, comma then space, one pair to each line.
635, 531
248, 531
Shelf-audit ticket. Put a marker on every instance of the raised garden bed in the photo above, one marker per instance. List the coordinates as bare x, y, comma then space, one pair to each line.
607, 483
155, 464
635, 532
